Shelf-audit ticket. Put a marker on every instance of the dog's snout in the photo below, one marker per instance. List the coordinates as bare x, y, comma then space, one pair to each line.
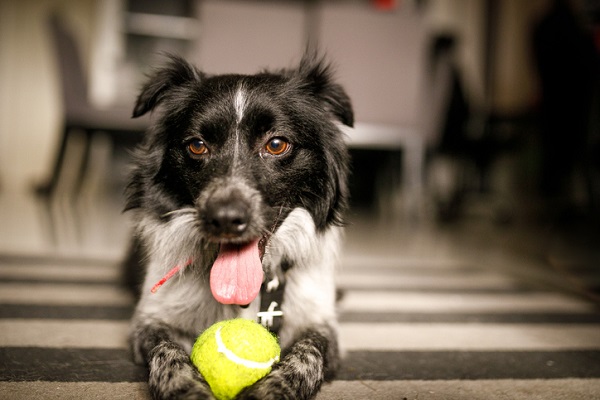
227, 217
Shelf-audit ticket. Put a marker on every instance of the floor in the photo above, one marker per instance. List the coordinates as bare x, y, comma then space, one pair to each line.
473, 309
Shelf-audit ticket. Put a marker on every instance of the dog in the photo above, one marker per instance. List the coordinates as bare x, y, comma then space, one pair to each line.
240, 183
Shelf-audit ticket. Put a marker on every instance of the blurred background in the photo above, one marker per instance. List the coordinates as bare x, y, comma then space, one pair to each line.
477, 120
471, 265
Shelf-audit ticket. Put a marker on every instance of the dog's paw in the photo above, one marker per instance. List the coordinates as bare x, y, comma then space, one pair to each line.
271, 387
172, 375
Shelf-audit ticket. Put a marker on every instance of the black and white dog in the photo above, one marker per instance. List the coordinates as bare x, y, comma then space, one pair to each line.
241, 181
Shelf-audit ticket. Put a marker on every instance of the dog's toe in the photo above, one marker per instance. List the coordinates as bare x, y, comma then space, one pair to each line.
272, 387
172, 376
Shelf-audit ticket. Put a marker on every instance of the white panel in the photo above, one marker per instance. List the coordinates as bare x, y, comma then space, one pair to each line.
248, 36
379, 57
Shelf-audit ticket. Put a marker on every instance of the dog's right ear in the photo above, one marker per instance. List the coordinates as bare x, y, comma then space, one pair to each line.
317, 77
176, 73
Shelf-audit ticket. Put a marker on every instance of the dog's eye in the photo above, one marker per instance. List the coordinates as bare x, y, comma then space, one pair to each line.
277, 146
197, 147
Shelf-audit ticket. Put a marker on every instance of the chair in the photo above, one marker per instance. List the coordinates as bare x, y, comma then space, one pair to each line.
79, 114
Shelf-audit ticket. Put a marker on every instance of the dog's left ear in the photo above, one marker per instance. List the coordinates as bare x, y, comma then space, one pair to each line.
317, 77
177, 72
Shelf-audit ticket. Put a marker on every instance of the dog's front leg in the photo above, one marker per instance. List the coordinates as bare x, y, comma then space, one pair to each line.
171, 373
310, 360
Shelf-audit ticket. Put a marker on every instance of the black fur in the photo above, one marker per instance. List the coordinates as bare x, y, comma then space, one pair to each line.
185, 205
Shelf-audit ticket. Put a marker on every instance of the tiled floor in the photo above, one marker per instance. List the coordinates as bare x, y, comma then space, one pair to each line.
468, 310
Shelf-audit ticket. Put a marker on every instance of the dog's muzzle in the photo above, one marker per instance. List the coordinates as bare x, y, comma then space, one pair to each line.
229, 210
230, 213
227, 218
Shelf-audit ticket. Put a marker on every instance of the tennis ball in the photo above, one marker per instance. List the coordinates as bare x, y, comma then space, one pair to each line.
234, 354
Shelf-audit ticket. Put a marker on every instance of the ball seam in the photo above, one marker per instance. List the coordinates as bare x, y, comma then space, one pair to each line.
231, 356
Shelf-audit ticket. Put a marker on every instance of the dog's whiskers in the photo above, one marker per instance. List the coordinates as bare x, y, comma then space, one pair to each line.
270, 231
180, 211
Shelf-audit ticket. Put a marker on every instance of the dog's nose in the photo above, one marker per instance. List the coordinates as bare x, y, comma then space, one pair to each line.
227, 217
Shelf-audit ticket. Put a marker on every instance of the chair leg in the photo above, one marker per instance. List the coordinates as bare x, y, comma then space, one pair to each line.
47, 189
85, 161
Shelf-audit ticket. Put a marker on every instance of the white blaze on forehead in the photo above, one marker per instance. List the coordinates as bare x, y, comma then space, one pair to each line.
239, 103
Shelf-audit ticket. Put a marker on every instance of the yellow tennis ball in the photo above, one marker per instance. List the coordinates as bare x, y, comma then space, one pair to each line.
234, 354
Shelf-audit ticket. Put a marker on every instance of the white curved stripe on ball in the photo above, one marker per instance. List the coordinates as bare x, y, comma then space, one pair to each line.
231, 356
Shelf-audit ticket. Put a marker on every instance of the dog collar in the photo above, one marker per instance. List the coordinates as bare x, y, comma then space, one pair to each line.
271, 293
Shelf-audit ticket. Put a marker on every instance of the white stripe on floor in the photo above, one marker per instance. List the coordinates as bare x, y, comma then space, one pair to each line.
52, 294
508, 389
379, 301
353, 336
399, 280
66, 273
489, 337
63, 333
359, 262
74, 390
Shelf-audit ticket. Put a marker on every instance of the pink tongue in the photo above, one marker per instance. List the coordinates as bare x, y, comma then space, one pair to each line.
237, 274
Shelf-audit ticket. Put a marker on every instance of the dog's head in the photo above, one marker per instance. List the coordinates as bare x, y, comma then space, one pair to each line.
243, 150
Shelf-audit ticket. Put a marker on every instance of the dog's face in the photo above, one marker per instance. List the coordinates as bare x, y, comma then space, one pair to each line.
243, 150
